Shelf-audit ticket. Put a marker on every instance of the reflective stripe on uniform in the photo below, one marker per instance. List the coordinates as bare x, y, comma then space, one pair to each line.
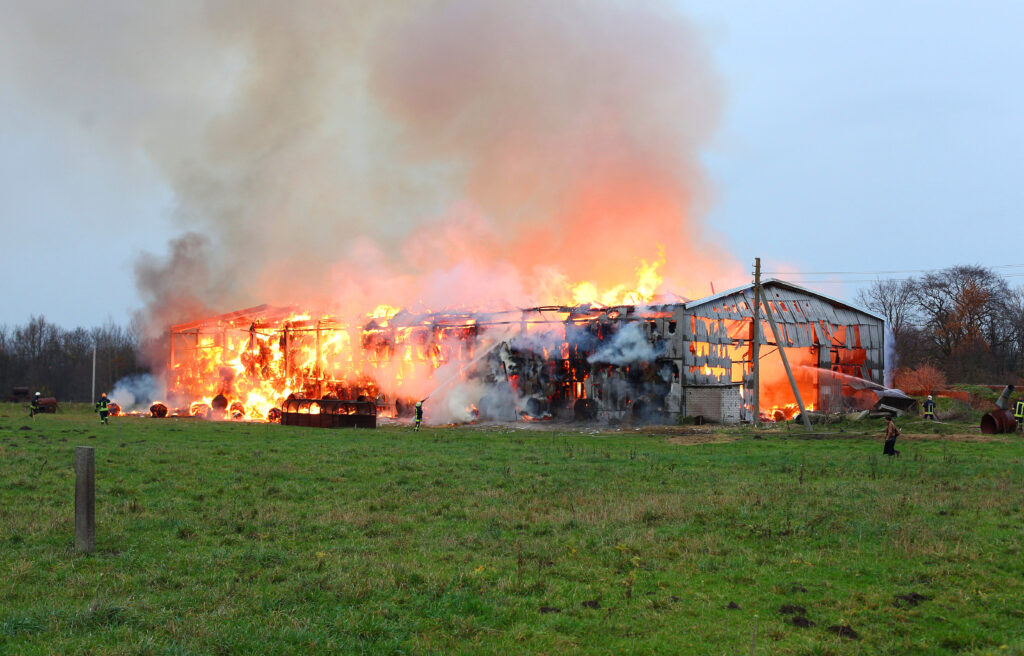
1018, 410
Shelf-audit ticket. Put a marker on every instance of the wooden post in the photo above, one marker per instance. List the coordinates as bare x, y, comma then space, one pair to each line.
92, 399
287, 371
318, 372
755, 343
85, 498
789, 372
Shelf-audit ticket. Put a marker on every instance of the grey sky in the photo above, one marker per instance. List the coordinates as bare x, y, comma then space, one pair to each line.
855, 137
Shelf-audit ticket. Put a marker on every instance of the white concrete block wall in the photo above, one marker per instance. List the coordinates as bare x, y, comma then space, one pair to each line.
721, 404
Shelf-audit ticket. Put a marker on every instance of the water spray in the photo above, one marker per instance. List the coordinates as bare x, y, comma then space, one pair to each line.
462, 369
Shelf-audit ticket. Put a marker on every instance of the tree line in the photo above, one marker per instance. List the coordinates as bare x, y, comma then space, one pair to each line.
965, 323
56, 361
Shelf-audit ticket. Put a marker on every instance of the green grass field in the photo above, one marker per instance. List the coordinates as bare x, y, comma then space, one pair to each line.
218, 538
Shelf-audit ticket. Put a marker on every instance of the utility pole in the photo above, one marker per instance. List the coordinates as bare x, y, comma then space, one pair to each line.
755, 342
92, 399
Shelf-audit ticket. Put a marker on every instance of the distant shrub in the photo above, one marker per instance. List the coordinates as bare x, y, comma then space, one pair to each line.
923, 380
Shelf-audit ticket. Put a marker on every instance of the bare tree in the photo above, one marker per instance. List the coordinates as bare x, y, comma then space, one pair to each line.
965, 320
1014, 315
53, 360
893, 300
962, 304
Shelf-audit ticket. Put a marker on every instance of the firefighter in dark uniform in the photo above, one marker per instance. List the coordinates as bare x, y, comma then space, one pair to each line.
33, 407
1018, 412
103, 407
419, 415
929, 408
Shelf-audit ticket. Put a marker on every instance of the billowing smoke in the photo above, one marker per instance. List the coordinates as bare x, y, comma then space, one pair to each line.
629, 345
443, 153
137, 392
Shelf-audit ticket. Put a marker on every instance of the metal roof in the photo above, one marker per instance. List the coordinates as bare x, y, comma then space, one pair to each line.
778, 283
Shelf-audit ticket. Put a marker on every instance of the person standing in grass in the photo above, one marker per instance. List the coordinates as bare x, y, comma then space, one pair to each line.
891, 433
33, 407
419, 415
929, 408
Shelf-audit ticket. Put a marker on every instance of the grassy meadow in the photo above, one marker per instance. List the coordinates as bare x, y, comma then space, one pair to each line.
224, 538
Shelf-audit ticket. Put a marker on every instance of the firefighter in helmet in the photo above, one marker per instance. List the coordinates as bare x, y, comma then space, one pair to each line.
103, 407
929, 408
33, 407
1018, 413
419, 415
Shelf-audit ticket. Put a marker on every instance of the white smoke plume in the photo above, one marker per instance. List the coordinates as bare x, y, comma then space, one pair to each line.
627, 346
137, 392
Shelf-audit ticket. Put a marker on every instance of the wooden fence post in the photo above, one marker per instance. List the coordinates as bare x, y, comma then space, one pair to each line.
85, 498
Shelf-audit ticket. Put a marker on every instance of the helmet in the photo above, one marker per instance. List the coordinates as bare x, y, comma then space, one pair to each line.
419, 404
929, 397
104, 395
37, 393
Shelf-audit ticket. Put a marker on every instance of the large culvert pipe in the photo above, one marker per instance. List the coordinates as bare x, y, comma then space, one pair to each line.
998, 421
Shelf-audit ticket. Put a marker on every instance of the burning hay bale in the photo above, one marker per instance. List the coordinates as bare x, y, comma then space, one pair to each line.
200, 410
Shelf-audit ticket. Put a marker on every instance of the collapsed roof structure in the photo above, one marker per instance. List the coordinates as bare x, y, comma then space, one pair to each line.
656, 362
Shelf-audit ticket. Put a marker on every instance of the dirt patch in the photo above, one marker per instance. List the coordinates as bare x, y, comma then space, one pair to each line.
675, 431
549, 609
844, 631
733, 606
801, 621
593, 603
792, 610
910, 599
953, 437
689, 439
796, 587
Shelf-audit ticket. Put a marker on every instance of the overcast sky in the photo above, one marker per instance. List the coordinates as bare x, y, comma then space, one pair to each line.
856, 137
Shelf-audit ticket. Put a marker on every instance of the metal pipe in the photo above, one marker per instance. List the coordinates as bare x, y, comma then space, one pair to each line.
1003, 402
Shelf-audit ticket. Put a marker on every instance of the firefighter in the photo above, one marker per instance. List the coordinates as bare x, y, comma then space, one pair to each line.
929, 408
33, 407
103, 407
891, 433
419, 415
1018, 413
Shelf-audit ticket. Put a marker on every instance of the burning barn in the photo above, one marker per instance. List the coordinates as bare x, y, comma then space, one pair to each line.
656, 362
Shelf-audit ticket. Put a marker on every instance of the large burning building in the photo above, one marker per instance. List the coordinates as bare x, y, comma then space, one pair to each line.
654, 361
